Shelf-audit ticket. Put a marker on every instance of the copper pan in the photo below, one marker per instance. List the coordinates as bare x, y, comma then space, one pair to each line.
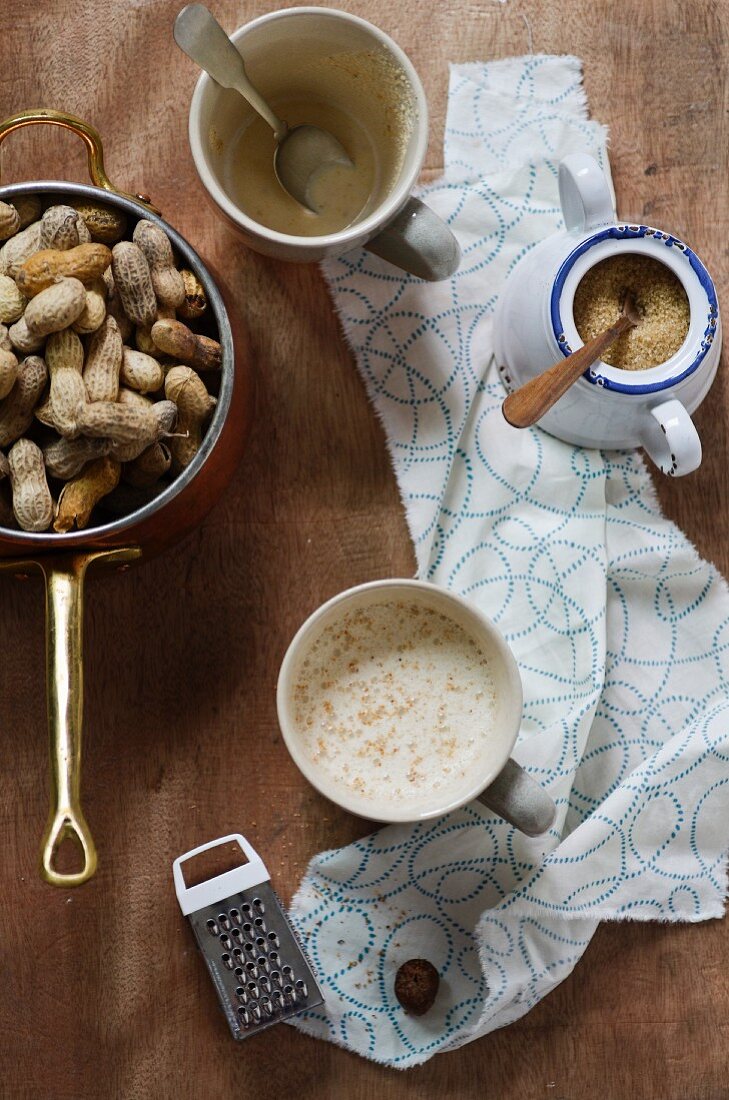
64, 558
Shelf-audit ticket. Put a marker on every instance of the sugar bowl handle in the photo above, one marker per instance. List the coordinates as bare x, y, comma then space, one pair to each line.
584, 193
670, 439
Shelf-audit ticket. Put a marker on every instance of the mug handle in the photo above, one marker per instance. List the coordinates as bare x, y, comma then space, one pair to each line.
584, 194
670, 439
419, 242
520, 800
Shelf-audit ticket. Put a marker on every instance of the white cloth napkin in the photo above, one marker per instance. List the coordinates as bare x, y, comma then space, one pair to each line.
620, 631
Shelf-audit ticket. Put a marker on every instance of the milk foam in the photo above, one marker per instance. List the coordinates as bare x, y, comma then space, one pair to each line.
395, 701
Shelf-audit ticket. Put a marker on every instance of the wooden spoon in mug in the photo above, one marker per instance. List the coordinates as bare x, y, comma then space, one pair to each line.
532, 400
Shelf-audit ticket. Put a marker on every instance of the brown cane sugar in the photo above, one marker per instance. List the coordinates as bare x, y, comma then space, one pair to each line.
659, 297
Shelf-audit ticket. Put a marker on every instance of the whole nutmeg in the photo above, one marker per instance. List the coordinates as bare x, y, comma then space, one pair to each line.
416, 986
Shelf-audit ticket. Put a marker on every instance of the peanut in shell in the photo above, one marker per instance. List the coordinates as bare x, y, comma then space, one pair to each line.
133, 282
32, 500
83, 492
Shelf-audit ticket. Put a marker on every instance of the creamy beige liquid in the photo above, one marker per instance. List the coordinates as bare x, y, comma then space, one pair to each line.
395, 701
340, 194
361, 97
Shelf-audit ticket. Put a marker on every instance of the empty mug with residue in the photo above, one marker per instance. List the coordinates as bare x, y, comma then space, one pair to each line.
327, 68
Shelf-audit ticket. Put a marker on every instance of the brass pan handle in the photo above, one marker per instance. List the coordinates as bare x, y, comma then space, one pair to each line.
88, 134
64, 575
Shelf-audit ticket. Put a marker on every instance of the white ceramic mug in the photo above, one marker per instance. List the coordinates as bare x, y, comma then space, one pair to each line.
496, 780
401, 229
534, 325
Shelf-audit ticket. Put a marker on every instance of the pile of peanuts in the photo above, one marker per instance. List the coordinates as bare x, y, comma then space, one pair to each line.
101, 395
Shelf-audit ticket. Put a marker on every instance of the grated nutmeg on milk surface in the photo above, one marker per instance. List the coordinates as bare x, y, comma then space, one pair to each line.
395, 700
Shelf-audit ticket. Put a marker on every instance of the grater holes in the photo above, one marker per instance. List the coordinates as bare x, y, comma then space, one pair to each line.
263, 962
241, 994
246, 907
260, 924
235, 916
273, 938
258, 904
302, 988
244, 1015
264, 984
288, 992
226, 941
238, 954
275, 977
260, 942
249, 949
212, 927
239, 972
278, 998
227, 961
237, 935
248, 928
273, 956
287, 972
266, 1006
223, 921
256, 1013
252, 969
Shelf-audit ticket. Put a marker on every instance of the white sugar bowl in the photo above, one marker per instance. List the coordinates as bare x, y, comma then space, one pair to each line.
534, 325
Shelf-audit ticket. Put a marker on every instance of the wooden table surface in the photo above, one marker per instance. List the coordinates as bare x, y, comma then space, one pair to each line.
101, 992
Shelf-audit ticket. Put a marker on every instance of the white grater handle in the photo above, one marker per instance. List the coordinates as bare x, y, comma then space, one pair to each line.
252, 873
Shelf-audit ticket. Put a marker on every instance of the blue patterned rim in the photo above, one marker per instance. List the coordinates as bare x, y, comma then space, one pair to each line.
631, 232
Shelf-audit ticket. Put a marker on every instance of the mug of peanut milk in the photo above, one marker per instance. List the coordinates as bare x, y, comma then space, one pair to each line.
327, 68
401, 701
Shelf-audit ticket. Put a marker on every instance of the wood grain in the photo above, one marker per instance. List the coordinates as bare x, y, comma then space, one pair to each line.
101, 991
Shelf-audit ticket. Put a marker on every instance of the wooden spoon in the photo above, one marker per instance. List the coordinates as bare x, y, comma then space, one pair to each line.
532, 400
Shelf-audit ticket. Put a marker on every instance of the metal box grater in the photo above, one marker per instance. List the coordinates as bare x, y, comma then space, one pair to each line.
258, 967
